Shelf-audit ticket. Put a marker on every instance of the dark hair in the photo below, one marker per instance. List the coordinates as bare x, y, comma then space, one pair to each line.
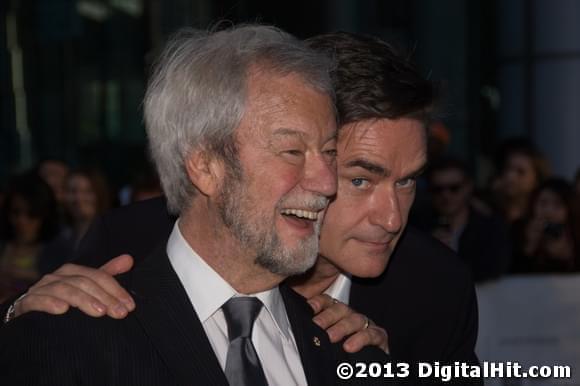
521, 146
373, 80
565, 192
448, 163
561, 188
145, 181
40, 199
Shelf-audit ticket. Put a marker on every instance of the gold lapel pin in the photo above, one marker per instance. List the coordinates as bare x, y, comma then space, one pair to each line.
316, 341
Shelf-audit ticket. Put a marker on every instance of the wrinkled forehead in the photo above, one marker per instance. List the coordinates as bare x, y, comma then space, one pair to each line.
383, 130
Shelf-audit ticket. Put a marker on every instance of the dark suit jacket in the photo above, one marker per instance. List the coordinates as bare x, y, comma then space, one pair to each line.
425, 300
484, 243
161, 343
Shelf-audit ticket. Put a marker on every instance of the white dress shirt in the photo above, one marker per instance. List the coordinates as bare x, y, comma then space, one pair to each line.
340, 288
208, 291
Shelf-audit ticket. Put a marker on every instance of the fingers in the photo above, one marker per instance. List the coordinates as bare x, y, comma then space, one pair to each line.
340, 321
320, 302
93, 291
41, 303
57, 296
118, 265
328, 310
346, 326
86, 295
335, 317
371, 336
104, 280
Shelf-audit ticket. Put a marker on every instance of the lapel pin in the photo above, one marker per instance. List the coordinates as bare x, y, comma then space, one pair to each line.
316, 341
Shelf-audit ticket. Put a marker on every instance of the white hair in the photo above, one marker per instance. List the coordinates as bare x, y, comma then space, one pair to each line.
196, 95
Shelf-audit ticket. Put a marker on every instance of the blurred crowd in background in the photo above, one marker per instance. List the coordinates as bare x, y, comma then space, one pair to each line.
523, 220
46, 211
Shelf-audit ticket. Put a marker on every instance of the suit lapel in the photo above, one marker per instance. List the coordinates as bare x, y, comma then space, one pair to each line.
316, 351
169, 320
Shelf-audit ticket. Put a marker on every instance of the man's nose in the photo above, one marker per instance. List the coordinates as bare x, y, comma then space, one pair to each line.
320, 176
386, 211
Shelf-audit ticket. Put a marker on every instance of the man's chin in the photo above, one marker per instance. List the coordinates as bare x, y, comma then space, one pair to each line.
288, 264
369, 267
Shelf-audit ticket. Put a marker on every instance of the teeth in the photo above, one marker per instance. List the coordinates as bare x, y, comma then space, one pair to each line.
301, 213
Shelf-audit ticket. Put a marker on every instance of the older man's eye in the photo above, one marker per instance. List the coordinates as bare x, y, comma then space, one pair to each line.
331, 152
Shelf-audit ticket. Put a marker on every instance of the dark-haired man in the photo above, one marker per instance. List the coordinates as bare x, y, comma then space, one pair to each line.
479, 238
424, 297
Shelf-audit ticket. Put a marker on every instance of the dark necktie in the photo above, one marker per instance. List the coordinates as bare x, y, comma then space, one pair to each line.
243, 366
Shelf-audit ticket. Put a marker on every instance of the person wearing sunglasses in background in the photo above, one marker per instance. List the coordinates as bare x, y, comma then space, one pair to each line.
479, 237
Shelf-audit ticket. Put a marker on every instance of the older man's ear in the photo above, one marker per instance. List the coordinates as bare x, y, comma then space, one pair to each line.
205, 171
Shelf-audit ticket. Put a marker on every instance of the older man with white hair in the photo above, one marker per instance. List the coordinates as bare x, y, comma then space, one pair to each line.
242, 128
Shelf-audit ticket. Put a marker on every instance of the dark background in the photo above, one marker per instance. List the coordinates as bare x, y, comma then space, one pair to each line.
73, 72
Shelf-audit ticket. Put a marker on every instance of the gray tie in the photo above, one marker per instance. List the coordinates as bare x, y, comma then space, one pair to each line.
243, 366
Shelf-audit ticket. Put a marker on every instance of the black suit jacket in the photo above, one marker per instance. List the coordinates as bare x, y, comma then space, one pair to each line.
425, 300
161, 343
485, 246
484, 243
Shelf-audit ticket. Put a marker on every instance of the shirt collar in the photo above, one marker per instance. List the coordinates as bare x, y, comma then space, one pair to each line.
274, 304
340, 288
208, 291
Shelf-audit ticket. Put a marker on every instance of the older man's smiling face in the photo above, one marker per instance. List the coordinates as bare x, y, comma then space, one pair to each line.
287, 157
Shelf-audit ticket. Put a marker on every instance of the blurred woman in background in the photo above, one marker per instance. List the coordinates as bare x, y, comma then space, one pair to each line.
27, 223
521, 168
86, 196
548, 238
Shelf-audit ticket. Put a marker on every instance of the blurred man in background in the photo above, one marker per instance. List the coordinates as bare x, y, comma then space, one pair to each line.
54, 172
480, 238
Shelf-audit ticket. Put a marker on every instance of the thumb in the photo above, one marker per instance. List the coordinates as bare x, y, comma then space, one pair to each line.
117, 265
